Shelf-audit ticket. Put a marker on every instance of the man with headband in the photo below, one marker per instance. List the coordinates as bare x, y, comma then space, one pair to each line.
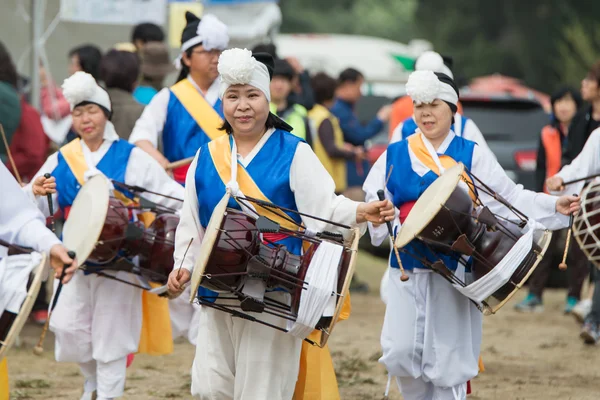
189, 113
431, 332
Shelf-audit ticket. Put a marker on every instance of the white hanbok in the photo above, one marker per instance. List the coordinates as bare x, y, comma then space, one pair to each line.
239, 359
432, 333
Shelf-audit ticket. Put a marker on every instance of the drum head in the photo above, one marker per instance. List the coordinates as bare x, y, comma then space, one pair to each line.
345, 287
86, 218
208, 243
25, 310
429, 204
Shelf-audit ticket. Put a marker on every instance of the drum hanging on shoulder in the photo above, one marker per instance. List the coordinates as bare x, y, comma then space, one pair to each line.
239, 266
101, 232
21, 277
494, 255
586, 225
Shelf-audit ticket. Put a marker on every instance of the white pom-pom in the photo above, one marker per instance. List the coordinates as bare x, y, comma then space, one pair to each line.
236, 66
79, 87
213, 33
423, 86
432, 61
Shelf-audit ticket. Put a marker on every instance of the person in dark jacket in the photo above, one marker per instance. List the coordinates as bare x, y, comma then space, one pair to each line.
586, 120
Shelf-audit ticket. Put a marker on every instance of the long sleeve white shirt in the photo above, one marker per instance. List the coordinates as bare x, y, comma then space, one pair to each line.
313, 191
539, 206
21, 223
152, 121
585, 164
142, 170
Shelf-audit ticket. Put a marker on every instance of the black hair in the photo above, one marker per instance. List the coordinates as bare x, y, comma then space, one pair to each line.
268, 48
120, 69
594, 72
273, 121
323, 87
89, 59
185, 70
105, 110
446, 79
283, 68
350, 75
562, 92
147, 32
8, 72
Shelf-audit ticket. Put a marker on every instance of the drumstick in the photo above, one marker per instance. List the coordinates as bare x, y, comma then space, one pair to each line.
563, 264
50, 205
180, 163
184, 254
9, 154
404, 277
581, 179
39, 349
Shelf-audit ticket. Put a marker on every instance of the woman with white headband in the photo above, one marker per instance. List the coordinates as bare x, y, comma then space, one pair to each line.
97, 321
236, 358
432, 333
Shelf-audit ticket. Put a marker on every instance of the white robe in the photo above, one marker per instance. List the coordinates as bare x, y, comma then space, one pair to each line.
97, 321
21, 223
432, 333
585, 164
151, 123
235, 356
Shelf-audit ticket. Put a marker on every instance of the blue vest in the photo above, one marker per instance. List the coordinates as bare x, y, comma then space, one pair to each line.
182, 137
269, 169
409, 127
113, 165
406, 185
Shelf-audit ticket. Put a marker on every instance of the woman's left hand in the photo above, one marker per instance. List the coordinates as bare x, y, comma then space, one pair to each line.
567, 205
376, 212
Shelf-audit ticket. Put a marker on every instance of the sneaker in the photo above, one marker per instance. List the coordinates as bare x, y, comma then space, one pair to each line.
40, 316
582, 310
571, 303
357, 286
590, 333
531, 303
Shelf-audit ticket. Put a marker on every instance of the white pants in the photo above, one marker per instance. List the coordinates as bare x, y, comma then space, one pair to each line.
97, 323
431, 336
184, 317
238, 359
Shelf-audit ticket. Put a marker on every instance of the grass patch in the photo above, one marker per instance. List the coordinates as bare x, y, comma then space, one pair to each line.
19, 395
32, 384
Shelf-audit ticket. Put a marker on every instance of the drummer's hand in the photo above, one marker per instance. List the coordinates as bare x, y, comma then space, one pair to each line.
555, 183
58, 259
567, 205
376, 212
42, 186
177, 280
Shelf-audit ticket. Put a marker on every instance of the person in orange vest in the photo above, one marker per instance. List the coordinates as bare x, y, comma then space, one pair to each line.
553, 141
402, 108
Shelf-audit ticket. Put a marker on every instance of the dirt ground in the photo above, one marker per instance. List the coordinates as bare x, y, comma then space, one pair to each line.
527, 357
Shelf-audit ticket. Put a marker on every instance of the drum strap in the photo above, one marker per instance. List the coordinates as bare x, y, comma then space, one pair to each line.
73, 155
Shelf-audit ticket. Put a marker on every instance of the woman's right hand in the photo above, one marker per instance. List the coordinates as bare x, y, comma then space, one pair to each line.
177, 280
555, 183
42, 186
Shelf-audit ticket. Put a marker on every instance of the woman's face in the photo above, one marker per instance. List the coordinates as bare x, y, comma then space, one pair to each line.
246, 109
89, 122
203, 62
589, 89
565, 108
434, 119
74, 64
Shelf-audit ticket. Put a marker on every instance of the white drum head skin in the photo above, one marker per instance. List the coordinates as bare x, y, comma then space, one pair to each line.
429, 204
86, 218
23, 316
208, 243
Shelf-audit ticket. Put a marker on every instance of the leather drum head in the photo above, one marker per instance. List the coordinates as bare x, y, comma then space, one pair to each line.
211, 233
86, 217
429, 204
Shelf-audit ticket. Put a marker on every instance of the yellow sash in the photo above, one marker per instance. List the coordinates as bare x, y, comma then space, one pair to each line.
196, 105
4, 389
156, 336
316, 378
416, 144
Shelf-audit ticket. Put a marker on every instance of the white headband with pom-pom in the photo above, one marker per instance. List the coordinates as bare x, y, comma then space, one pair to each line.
425, 87
432, 61
238, 67
211, 32
81, 87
